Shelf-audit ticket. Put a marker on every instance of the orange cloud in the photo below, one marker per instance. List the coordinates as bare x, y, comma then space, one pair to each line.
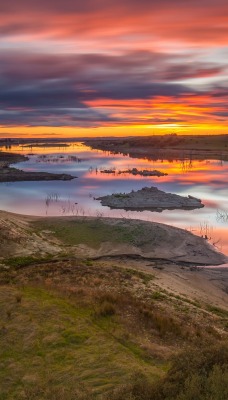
123, 65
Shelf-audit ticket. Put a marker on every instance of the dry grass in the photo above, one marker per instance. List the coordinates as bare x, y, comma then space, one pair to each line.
49, 342
70, 323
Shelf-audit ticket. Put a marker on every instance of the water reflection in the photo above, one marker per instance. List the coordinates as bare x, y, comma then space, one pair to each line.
205, 179
59, 159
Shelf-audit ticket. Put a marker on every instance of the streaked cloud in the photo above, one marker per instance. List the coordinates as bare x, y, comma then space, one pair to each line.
105, 63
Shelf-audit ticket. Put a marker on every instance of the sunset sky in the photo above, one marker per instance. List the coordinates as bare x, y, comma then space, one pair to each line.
104, 67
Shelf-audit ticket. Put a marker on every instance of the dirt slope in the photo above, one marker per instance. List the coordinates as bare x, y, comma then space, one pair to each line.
93, 237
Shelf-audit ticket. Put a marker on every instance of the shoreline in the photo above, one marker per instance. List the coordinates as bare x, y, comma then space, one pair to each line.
173, 147
36, 241
108, 237
11, 174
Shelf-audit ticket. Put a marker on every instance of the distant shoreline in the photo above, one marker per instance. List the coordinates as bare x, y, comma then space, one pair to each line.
170, 146
174, 147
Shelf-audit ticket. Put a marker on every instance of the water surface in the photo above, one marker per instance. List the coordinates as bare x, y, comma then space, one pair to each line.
205, 179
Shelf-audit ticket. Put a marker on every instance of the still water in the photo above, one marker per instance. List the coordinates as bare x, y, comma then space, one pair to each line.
205, 179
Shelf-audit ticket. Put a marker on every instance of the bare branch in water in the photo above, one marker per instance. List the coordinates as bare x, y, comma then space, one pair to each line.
222, 216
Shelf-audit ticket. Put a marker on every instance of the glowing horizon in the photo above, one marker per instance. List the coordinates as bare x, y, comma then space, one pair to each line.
113, 68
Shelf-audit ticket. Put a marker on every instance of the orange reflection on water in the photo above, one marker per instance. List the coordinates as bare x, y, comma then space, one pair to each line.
187, 171
47, 149
205, 179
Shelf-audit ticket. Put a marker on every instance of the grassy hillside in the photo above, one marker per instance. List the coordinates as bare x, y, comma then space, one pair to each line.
81, 329
106, 327
50, 343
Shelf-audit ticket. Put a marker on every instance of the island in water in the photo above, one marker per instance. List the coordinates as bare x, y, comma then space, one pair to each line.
150, 198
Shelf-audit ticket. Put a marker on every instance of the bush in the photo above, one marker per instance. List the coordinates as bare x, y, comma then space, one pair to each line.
164, 324
105, 309
195, 375
139, 388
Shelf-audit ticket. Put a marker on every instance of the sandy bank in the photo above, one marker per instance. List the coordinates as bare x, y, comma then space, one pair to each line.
204, 285
96, 238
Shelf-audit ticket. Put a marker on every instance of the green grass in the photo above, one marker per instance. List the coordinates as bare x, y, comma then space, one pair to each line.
48, 341
92, 232
121, 195
218, 311
23, 261
157, 295
130, 272
83, 322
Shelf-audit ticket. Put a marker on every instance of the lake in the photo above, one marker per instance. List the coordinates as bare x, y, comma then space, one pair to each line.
205, 179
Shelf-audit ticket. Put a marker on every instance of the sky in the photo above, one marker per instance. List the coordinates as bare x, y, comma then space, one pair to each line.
105, 67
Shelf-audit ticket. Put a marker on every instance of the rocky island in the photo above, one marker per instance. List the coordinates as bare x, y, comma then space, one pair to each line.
151, 199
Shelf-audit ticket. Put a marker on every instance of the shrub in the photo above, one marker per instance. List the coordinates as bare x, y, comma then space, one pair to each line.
195, 375
105, 309
157, 296
138, 388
